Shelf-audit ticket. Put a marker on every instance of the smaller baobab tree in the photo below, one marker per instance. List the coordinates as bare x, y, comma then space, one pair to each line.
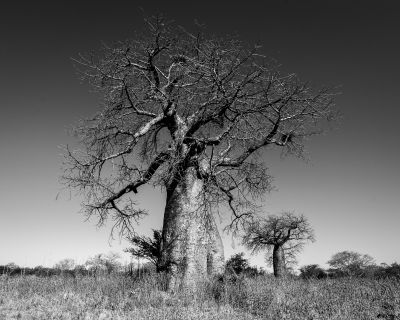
283, 235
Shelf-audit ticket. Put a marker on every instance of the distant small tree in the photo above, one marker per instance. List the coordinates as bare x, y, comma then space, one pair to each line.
237, 264
350, 263
111, 262
95, 264
65, 264
147, 248
10, 269
283, 235
12, 266
103, 262
80, 269
312, 271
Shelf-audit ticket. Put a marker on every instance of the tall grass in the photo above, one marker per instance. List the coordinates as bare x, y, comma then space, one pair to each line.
118, 297
346, 298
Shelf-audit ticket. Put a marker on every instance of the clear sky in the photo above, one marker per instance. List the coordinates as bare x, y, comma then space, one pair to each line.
349, 190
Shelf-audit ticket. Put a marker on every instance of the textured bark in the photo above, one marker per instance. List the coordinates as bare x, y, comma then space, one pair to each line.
192, 246
278, 260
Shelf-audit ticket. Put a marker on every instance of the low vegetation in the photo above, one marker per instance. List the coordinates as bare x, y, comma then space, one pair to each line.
353, 288
261, 297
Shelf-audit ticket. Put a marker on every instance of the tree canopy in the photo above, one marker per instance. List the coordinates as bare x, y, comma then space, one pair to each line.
286, 229
173, 99
282, 235
65, 264
350, 262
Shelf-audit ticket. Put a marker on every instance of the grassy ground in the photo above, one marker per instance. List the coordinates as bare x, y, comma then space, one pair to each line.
261, 298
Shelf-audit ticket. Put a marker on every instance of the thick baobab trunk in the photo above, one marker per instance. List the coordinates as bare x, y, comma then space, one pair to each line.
278, 261
192, 246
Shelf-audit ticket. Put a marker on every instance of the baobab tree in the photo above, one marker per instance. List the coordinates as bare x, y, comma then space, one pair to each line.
190, 114
284, 236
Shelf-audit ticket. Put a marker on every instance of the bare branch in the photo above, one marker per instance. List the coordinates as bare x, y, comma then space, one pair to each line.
172, 101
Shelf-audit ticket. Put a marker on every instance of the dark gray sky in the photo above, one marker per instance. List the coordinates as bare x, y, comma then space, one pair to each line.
350, 189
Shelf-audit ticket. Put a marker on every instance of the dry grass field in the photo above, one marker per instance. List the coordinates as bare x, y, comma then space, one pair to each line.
117, 297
